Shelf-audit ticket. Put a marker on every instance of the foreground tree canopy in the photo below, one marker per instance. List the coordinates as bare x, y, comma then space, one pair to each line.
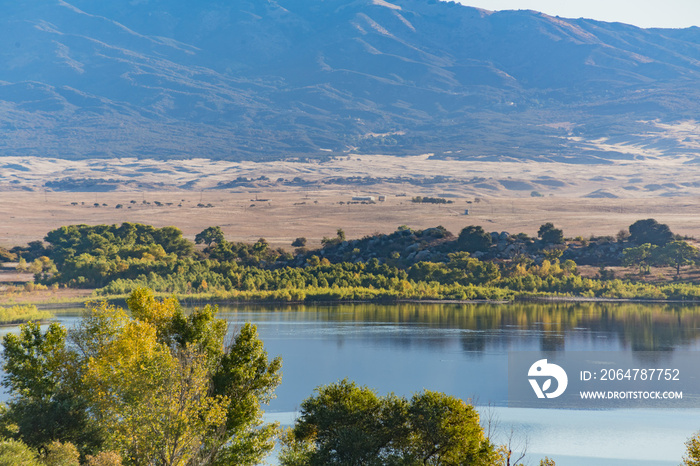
346, 424
692, 451
154, 387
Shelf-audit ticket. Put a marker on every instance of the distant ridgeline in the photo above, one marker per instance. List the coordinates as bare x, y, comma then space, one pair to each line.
406, 264
254, 80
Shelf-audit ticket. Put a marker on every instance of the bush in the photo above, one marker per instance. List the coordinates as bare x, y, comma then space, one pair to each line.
550, 234
299, 242
14, 453
105, 458
61, 454
474, 238
22, 313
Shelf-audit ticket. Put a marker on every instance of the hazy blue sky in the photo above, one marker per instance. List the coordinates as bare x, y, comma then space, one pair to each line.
642, 13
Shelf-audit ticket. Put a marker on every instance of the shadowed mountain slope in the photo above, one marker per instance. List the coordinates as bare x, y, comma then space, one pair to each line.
253, 79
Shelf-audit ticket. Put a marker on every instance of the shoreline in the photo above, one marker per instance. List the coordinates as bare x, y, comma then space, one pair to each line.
196, 301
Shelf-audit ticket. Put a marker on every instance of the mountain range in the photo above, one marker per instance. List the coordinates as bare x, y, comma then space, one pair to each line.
282, 79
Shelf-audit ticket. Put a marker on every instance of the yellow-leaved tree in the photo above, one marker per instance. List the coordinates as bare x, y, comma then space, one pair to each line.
158, 386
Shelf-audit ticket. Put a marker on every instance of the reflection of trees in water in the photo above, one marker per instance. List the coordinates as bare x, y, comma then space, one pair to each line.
477, 327
654, 358
473, 342
552, 342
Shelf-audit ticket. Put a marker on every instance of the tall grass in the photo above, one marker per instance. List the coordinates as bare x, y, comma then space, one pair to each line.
21, 314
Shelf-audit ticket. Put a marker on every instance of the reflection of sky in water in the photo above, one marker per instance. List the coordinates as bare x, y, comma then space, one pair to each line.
463, 351
404, 357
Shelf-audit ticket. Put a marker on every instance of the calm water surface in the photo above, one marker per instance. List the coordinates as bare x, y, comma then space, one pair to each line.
462, 350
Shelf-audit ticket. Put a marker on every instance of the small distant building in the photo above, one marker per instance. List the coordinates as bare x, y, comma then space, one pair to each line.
382, 198
363, 198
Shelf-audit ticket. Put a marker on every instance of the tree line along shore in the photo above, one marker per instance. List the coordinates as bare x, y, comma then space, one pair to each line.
407, 264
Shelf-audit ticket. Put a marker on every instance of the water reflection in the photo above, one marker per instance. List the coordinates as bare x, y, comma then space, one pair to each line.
483, 327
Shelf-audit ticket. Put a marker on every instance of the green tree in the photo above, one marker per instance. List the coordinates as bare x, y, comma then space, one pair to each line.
246, 377
22, 266
468, 270
678, 254
47, 402
553, 253
343, 422
7, 256
260, 246
42, 264
153, 403
650, 231
299, 242
474, 238
642, 256
339, 238
160, 385
445, 431
209, 236
171, 240
550, 234
350, 425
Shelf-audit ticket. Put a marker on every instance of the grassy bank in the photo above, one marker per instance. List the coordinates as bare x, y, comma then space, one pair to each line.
599, 290
548, 290
22, 313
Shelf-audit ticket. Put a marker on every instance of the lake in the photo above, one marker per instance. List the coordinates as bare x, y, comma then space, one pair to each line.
462, 350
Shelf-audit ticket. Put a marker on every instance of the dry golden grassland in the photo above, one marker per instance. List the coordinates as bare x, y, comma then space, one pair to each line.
315, 214
664, 190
